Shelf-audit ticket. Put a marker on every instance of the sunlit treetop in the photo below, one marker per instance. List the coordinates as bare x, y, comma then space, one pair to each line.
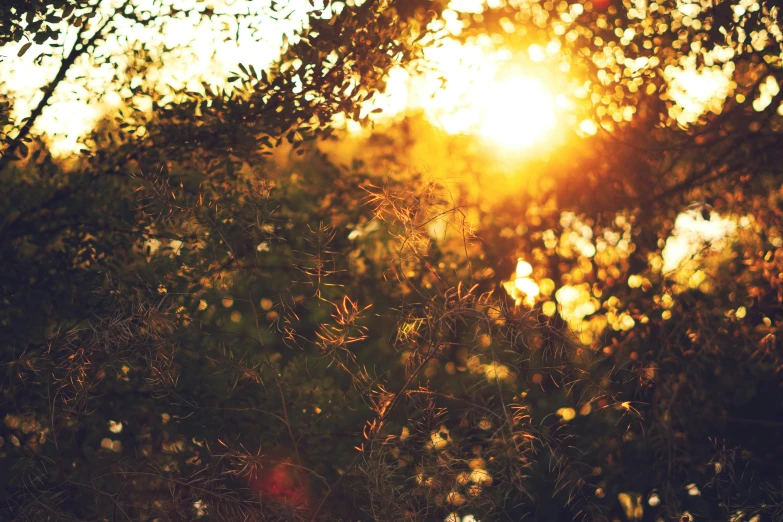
625, 53
585, 65
159, 55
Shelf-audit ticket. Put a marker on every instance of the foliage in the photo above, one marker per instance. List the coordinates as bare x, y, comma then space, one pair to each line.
37, 21
208, 315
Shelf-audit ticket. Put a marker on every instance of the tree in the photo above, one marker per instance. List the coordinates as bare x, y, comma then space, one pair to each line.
37, 21
207, 315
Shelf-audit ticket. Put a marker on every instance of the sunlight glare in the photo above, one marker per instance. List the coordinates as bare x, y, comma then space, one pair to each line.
516, 112
467, 88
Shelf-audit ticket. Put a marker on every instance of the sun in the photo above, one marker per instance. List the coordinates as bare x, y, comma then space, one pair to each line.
517, 112
477, 90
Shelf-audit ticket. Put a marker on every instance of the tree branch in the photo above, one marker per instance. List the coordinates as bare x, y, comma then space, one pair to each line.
79, 48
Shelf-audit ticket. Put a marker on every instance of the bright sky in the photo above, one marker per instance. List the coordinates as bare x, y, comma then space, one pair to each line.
209, 51
472, 88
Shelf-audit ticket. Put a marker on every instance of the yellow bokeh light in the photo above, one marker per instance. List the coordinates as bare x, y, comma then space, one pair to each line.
567, 414
496, 371
527, 286
521, 287
455, 498
692, 232
481, 477
477, 463
438, 439
696, 92
524, 268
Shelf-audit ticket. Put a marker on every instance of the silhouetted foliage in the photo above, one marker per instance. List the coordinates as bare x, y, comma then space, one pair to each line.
208, 314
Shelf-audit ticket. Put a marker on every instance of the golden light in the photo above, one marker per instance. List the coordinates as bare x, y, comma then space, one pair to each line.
527, 286
567, 414
521, 287
696, 92
524, 268
475, 88
516, 112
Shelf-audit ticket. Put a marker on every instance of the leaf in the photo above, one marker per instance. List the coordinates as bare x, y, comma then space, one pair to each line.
24, 49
